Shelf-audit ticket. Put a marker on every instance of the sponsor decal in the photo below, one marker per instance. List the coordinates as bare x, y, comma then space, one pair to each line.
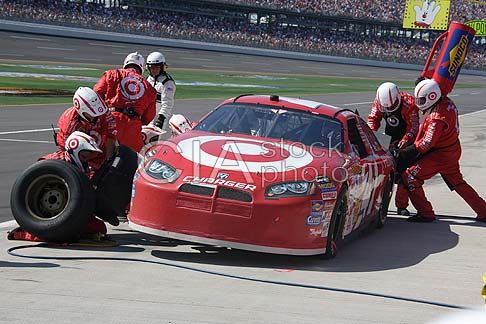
326, 222
135, 178
316, 231
222, 175
457, 55
132, 88
156, 167
322, 179
392, 121
317, 206
478, 25
242, 154
222, 182
314, 219
332, 195
327, 187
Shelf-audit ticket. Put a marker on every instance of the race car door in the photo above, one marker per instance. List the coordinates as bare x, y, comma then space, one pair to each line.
360, 176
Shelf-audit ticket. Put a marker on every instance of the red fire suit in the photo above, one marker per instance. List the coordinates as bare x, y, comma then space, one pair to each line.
93, 226
438, 144
402, 126
70, 121
132, 101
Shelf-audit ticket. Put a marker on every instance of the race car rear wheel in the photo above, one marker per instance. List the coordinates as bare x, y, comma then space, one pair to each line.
53, 200
385, 203
336, 226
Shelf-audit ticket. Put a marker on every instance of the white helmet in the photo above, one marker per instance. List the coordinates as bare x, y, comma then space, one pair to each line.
427, 93
151, 133
155, 58
179, 124
388, 96
86, 101
78, 142
135, 59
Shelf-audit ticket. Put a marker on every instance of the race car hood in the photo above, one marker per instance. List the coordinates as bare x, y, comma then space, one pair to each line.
243, 161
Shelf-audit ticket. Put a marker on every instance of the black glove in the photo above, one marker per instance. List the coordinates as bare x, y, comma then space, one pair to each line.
408, 154
159, 122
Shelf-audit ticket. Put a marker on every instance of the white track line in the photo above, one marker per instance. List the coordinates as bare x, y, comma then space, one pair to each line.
28, 131
358, 103
473, 113
31, 38
196, 59
81, 59
57, 48
8, 224
107, 45
24, 141
17, 55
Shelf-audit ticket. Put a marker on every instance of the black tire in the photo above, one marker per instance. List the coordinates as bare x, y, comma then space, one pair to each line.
337, 223
114, 189
53, 200
385, 203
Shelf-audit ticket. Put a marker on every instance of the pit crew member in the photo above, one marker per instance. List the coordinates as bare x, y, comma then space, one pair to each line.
130, 98
402, 123
165, 86
437, 150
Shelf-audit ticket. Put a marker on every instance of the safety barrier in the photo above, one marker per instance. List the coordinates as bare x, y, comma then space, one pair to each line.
72, 32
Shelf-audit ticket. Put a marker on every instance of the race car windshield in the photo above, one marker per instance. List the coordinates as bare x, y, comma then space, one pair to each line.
271, 122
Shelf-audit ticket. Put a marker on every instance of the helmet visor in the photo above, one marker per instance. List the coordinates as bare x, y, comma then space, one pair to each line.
420, 101
392, 108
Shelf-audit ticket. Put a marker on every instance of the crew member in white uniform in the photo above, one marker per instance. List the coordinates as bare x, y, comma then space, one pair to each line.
165, 86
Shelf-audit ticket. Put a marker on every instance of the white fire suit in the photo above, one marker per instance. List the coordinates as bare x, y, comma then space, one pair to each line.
166, 88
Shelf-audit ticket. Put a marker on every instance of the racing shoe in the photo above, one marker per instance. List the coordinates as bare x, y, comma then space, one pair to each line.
403, 212
421, 219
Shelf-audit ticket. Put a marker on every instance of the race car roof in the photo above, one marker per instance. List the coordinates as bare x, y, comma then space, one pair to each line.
292, 103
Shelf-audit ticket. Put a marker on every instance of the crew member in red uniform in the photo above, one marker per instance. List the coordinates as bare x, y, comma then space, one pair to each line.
89, 115
81, 150
402, 123
437, 150
131, 99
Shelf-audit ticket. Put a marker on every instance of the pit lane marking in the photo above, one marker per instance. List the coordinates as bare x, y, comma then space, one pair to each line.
28, 131
8, 224
24, 141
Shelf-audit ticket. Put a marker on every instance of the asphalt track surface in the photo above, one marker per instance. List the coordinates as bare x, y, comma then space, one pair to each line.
442, 261
23, 134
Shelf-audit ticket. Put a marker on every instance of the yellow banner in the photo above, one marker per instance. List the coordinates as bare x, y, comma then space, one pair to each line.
426, 14
478, 25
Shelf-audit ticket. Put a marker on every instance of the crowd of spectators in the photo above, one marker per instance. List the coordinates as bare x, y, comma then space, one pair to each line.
383, 10
229, 30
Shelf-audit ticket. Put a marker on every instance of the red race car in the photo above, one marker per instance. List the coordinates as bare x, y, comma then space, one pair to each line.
268, 174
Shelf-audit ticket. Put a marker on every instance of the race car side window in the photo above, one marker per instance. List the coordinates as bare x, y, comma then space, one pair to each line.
375, 144
355, 138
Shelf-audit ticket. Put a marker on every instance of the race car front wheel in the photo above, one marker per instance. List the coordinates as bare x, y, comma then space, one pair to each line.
53, 200
334, 236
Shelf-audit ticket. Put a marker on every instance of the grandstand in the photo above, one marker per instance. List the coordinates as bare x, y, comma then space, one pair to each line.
363, 29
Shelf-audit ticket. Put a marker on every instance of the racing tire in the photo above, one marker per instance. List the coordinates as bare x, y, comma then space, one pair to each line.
334, 236
52, 200
382, 215
114, 189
